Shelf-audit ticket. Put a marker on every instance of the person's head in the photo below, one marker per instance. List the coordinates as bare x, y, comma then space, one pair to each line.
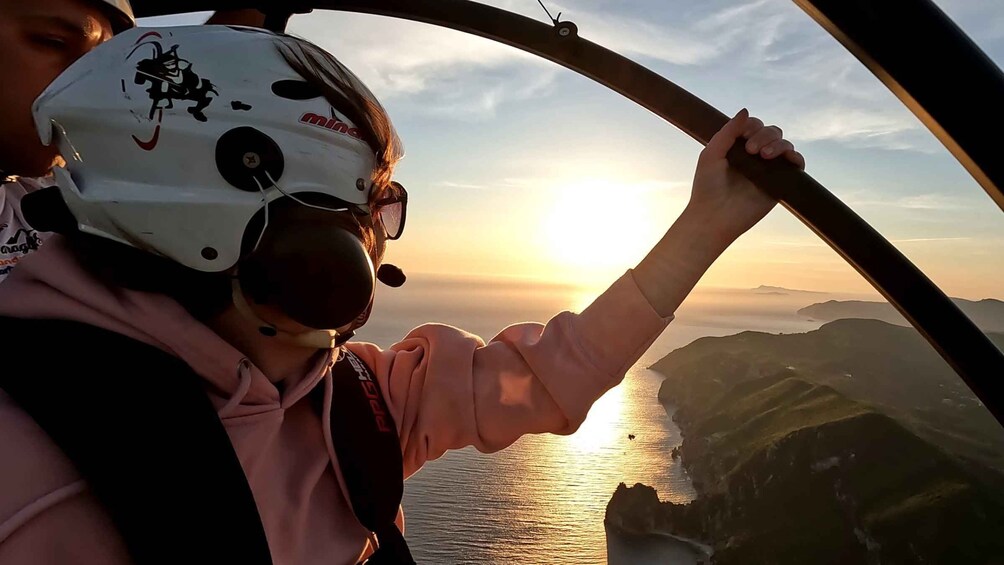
225, 153
41, 38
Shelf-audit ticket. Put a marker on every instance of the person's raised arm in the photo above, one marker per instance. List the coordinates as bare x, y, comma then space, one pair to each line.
723, 206
448, 389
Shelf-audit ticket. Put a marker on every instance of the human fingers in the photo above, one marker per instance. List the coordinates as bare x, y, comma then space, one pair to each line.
762, 138
783, 147
753, 125
775, 148
722, 141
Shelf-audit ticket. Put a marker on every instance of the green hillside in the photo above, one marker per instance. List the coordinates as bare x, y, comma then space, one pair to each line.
890, 369
792, 472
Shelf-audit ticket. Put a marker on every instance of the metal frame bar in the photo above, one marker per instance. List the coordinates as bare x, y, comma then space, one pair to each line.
934, 68
953, 335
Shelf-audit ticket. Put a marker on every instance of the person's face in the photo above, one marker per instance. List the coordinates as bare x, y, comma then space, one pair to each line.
41, 38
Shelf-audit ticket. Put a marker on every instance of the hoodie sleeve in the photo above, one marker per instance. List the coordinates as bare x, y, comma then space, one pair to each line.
448, 389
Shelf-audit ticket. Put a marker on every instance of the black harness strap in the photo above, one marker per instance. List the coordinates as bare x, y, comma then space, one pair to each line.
141, 430
369, 454
173, 485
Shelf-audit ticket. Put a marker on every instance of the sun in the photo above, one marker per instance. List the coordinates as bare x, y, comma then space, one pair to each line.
596, 229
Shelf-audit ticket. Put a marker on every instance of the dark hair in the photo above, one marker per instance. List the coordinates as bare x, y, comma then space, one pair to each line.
347, 94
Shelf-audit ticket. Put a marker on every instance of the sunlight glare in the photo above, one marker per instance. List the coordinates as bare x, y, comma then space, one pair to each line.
600, 430
597, 229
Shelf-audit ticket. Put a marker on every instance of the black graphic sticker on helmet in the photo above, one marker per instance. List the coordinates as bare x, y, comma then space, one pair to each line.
296, 90
170, 78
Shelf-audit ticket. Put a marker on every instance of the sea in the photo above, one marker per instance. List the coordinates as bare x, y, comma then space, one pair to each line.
542, 500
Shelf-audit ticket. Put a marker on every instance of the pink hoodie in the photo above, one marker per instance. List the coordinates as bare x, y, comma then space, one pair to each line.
446, 388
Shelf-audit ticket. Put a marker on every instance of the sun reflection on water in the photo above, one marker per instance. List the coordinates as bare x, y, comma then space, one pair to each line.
599, 431
543, 499
553, 490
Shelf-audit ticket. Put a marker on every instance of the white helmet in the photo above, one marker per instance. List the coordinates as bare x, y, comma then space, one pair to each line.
175, 137
120, 14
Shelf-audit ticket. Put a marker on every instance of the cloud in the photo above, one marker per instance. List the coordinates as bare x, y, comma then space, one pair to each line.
783, 243
513, 183
478, 95
673, 32
982, 21
637, 188
930, 239
930, 201
768, 52
635, 37
419, 68
432, 71
862, 126
450, 184
794, 70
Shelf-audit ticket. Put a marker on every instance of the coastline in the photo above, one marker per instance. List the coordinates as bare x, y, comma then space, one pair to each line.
704, 550
656, 548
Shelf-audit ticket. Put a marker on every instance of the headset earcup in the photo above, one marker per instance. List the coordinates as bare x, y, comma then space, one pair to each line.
314, 270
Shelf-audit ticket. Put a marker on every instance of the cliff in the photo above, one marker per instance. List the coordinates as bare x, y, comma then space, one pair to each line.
888, 368
854, 443
790, 472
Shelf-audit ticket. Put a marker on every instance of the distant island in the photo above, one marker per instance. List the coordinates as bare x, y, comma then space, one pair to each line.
764, 289
987, 314
854, 443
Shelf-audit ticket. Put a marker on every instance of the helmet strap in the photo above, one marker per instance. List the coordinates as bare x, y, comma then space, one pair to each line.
315, 339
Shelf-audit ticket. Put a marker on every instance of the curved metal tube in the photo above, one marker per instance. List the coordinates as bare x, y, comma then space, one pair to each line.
974, 357
934, 69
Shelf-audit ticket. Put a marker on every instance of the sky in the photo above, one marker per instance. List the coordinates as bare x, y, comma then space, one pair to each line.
517, 167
